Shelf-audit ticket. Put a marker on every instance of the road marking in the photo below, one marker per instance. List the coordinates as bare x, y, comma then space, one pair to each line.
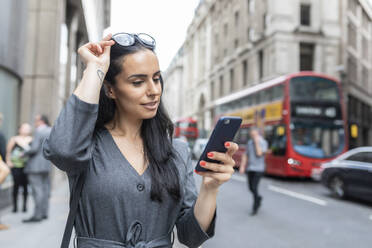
370, 217
298, 195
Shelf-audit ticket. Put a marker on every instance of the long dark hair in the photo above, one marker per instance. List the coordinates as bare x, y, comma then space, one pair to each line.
156, 132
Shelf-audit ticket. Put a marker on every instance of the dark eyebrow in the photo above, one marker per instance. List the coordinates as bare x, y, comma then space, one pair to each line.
137, 75
156, 73
142, 75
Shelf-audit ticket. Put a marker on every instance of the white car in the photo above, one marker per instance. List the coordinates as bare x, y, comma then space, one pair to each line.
199, 147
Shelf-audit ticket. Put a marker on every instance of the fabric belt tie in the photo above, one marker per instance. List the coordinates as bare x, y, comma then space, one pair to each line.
132, 240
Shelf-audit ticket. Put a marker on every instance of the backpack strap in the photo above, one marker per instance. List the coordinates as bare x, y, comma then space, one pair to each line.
74, 204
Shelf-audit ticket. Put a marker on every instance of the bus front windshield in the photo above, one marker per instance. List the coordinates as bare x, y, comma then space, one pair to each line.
313, 89
317, 140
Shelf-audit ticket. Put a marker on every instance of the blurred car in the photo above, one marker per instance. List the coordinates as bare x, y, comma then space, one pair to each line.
198, 148
350, 174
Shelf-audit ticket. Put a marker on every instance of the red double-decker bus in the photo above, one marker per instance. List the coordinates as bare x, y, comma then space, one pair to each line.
301, 115
186, 127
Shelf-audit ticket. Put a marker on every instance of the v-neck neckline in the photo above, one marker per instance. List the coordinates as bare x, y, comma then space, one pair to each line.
116, 147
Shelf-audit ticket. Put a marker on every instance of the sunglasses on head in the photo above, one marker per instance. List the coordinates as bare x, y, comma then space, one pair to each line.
126, 39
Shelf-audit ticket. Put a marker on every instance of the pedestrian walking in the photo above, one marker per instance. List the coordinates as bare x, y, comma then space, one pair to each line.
253, 165
4, 172
16, 147
37, 170
138, 181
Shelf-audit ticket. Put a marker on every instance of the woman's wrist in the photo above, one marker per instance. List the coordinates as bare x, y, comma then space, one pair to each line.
94, 66
209, 189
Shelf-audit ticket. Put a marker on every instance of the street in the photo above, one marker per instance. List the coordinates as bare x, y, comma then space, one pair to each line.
294, 213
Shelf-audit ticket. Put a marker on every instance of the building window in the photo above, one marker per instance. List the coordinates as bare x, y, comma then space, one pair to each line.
365, 21
351, 35
250, 5
351, 69
225, 38
248, 34
236, 42
221, 86
352, 5
365, 77
365, 48
216, 45
306, 56
305, 14
245, 73
232, 80
260, 64
212, 90
264, 21
225, 30
236, 19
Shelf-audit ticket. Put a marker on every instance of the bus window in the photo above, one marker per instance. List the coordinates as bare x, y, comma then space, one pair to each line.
278, 141
317, 139
268, 134
255, 99
267, 95
313, 89
278, 92
248, 100
242, 136
261, 96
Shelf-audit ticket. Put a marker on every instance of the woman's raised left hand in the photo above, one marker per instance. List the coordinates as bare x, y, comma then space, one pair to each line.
220, 173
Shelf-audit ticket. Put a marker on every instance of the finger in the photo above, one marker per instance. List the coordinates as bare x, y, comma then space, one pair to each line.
106, 43
214, 167
87, 50
106, 50
219, 156
107, 37
99, 48
231, 147
220, 177
89, 47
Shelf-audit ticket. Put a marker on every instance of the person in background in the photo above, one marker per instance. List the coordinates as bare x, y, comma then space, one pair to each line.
16, 147
37, 170
253, 164
4, 172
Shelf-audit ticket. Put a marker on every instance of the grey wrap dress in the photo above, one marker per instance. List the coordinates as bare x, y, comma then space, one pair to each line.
115, 209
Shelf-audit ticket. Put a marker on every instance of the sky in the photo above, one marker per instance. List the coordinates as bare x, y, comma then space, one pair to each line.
165, 20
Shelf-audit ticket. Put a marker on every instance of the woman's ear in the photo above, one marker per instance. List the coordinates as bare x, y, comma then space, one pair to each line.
109, 91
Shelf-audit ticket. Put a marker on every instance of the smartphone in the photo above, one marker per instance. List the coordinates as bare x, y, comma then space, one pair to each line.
225, 130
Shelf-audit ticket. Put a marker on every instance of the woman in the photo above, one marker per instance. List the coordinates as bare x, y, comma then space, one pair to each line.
16, 161
139, 183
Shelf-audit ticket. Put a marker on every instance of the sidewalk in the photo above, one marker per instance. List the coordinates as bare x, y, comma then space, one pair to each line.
45, 234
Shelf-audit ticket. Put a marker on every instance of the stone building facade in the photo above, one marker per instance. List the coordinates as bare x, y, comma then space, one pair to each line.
38, 64
357, 68
233, 45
